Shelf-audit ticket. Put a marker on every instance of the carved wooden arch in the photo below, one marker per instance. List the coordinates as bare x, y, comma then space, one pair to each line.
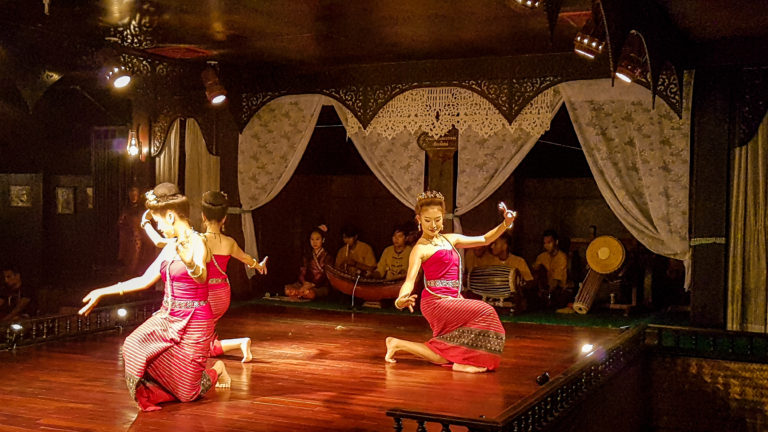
162, 122
510, 96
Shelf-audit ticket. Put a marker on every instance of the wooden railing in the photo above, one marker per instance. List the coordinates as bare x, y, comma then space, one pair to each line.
55, 327
552, 400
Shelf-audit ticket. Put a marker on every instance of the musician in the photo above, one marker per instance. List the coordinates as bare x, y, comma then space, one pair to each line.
500, 256
551, 270
355, 257
394, 260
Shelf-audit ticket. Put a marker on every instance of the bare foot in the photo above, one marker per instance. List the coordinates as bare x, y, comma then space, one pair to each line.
224, 380
391, 350
245, 347
467, 368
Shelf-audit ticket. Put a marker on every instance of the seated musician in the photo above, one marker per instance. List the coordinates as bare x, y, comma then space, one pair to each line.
312, 280
355, 257
500, 256
551, 272
394, 260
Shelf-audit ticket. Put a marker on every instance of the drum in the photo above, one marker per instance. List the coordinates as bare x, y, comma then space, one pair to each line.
495, 282
587, 292
605, 255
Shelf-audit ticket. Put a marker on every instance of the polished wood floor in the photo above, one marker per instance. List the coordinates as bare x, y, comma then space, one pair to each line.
312, 370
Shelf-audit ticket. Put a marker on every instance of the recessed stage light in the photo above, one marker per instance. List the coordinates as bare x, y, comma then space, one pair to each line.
122, 313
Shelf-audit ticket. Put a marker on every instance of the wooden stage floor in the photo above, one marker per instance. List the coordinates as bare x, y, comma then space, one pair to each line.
312, 370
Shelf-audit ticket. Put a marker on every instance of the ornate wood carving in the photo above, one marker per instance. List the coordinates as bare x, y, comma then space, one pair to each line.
752, 102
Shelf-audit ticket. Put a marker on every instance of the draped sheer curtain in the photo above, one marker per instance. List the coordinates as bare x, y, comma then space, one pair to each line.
270, 148
748, 247
485, 163
201, 171
639, 156
397, 162
167, 162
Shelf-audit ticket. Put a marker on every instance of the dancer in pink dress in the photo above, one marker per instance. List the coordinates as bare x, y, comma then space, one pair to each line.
222, 247
165, 357
466, 334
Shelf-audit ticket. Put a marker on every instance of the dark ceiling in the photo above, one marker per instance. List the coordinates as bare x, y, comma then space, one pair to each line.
323, 33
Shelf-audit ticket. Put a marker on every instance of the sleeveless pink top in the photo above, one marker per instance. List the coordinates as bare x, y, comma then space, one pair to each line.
217, 269
441, 272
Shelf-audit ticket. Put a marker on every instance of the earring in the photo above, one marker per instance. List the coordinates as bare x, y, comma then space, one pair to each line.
419, 227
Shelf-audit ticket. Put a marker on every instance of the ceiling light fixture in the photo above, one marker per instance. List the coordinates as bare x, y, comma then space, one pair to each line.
118, 76
214, 90
633, 61
590, 40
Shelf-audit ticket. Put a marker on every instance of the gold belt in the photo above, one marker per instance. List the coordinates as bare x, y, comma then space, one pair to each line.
172, 303
439, 283
217, 280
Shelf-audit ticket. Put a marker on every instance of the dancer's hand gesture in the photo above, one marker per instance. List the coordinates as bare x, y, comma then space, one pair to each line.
260, 267
92, 298
186, 251
509, 215
407, 301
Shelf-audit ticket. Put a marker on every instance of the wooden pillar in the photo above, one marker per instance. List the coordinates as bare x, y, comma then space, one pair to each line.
712, 136
441, 168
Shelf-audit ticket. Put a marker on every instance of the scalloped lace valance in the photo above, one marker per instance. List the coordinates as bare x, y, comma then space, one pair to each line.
436, 110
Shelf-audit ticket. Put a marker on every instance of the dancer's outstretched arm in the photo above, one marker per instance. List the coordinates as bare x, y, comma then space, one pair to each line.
462, 241
404, 298
150, 276
248, 260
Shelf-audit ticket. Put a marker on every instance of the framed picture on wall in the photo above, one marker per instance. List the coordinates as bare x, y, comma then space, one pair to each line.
89, 196
65, 200
21, 196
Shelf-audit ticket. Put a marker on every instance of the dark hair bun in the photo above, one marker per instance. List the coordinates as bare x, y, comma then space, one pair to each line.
215, 198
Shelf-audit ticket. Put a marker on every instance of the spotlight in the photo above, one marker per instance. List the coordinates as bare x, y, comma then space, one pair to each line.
119, 77
214, 90
590, 41
531, 4
633, 62
542, 379
122, 313
16, 327
133, 143
586, 348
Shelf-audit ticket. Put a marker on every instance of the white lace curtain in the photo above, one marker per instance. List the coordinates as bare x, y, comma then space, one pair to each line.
639, 157
167, 162
269, 151
201, 172
748, 242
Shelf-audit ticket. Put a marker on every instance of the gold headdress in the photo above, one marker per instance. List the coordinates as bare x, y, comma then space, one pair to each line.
430, 195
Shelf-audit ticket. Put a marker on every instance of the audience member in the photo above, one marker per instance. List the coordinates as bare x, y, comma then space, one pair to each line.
16, 299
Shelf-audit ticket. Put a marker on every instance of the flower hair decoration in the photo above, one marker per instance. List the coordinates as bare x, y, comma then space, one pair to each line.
323, 228
430, 195
151, 197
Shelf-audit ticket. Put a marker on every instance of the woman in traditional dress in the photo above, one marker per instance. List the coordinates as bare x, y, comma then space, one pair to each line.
165, 357
465, 333
312, 280
222, 247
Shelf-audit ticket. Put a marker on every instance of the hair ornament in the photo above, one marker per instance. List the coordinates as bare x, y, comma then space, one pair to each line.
430, 195
323, 228
151, 197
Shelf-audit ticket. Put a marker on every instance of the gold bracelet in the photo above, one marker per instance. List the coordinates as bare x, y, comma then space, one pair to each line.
195, 276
